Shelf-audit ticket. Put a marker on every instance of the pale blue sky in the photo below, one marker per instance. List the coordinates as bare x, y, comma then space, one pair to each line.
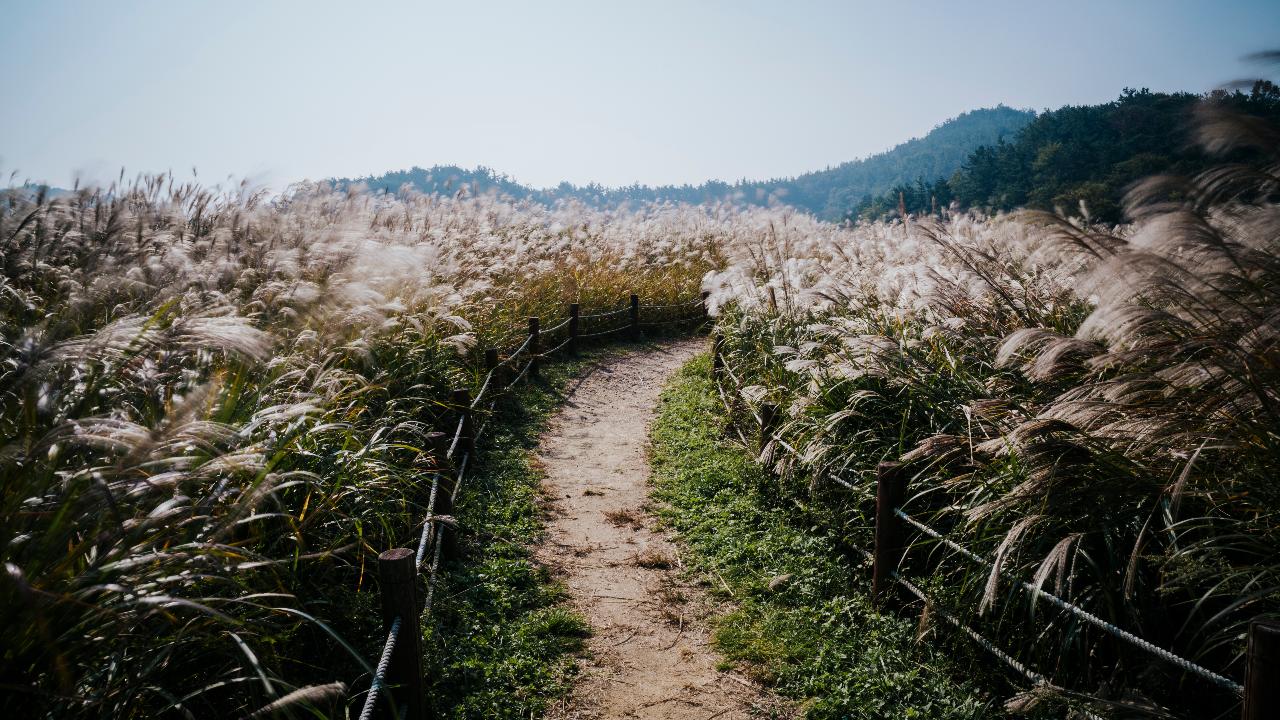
655, 92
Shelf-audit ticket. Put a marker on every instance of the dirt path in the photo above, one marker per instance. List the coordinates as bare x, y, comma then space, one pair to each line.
649, 655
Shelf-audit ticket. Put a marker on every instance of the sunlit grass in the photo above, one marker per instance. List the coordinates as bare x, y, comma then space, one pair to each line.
1092, 408
216, 408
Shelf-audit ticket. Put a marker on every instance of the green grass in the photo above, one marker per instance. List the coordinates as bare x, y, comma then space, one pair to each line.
502, 642
815, 636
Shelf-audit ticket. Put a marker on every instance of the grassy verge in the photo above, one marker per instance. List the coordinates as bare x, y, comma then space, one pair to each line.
501, 644
801, 619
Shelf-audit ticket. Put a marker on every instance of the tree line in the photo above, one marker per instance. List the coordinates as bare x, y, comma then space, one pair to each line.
1078, 160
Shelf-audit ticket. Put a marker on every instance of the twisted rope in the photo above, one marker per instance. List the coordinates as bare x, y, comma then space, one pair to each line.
1037, 592
841, 481
1034, 677
558, 348
1081, 613
778, 439
484, 387
429, 524
986, 644
604, 332
611, 313
485, 424
438, 540
695, 301
457, 435
519, 377
516, 353
380, 673
550, 330
675, 321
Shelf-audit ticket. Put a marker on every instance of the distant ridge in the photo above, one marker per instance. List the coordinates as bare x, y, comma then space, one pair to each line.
831, 193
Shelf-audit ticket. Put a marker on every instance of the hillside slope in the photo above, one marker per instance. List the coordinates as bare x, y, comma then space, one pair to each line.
1083, 159
830, 193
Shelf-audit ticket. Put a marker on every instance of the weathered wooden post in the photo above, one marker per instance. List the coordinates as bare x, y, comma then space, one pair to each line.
398, 591
491, 365
891, 491
467, 440
635, 316
574, 311
535, 342
773, 299
448, 482
768, 423
1262, 671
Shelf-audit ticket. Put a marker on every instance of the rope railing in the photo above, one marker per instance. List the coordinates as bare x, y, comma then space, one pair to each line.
995, 650
691, 303
1078, 611
457, 437
516, 353
885, 561
673, 321
559, 326
380, 673
485, 424
519, 377
609, 313
664, 323
399, 669
602, 333
1035, 678
428, 525
484, 387
556, 349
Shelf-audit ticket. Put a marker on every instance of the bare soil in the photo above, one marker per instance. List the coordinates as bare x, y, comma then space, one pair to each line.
649, 655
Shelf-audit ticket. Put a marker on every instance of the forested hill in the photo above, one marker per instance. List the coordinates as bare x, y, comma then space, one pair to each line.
1081, 159
829, 193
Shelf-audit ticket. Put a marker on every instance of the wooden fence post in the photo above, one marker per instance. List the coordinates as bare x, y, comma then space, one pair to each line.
768, 423
444, 493
398, 590
491, 365
535, 340
773, 300
891, 491
467, 441
574, 311
635, 316
1262, 671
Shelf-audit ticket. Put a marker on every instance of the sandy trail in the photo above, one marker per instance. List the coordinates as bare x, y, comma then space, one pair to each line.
649, 655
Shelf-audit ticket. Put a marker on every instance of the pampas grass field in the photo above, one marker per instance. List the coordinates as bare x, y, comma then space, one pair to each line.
215, 406
215, 403
1092, 408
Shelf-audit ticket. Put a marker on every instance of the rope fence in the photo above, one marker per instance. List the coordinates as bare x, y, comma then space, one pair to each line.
1078, 611
1260, 691
397, 688
611, 313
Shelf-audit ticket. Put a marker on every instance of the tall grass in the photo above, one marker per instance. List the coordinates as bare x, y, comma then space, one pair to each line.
215, 403
1092, 408
214, 411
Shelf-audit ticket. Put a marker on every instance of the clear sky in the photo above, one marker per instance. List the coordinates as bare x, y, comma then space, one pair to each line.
612, 92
